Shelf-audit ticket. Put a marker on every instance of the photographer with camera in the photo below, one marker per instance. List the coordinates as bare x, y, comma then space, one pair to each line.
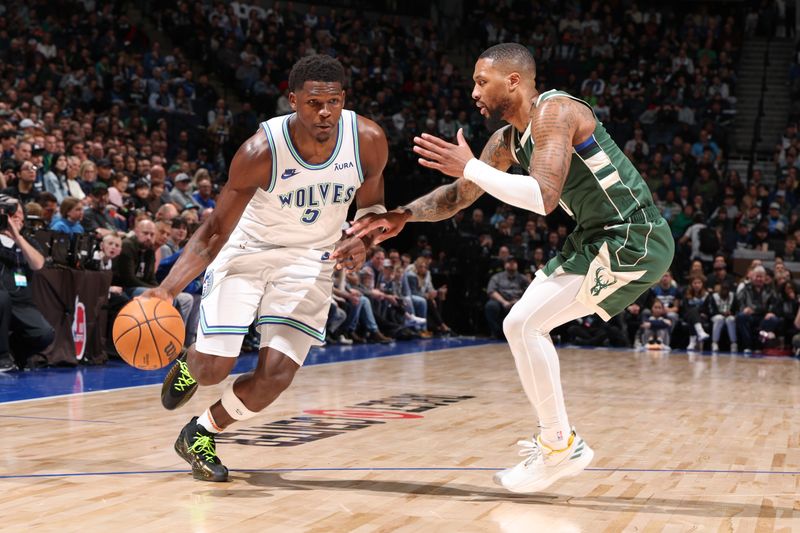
24, 331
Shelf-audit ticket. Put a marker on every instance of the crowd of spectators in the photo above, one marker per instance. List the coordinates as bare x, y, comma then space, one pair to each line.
106, 134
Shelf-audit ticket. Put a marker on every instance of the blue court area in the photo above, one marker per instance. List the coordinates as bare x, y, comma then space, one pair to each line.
16, 386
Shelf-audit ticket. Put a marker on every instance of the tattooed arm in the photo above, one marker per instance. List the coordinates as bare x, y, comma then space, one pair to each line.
250, 165
447, 200
554, 128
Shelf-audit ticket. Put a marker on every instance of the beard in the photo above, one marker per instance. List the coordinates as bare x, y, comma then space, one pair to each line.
497, 112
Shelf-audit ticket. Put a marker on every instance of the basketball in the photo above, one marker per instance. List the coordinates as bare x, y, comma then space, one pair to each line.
148, 333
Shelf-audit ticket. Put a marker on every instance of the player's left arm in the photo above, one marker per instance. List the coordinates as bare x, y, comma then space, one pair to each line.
374, 153
554, 127
351, 251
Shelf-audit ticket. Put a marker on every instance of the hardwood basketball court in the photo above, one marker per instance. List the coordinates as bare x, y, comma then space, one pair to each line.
410, 443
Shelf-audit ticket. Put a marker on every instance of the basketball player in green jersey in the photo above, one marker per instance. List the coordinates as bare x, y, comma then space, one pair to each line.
620, 247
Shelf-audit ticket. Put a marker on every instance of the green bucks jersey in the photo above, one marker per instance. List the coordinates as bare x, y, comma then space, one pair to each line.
621, 244
602, 187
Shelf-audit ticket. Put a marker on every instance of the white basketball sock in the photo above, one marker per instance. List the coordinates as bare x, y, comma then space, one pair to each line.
207, 421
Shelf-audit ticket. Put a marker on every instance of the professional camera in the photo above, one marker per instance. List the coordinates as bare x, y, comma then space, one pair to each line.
8, 206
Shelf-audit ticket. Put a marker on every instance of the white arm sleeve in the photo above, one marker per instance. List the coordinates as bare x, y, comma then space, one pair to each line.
519, 191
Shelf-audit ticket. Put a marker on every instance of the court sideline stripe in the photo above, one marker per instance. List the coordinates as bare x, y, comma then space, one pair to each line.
84, 393
399, 469
61, 419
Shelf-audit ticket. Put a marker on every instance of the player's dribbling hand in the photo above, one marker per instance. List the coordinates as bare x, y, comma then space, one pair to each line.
391, 222
350, 253
443, 156
157, 292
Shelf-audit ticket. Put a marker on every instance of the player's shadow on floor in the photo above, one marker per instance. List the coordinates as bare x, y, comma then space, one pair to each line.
618, 504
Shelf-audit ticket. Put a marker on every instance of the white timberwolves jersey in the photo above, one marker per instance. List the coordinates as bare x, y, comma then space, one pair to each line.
305, 205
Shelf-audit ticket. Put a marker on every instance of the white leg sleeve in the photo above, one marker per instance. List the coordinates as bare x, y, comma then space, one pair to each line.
546, 304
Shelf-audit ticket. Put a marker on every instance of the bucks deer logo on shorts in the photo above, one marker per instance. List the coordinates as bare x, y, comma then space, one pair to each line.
602, 279
208, 283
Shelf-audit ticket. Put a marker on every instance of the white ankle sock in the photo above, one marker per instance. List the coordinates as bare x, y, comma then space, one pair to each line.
207, 421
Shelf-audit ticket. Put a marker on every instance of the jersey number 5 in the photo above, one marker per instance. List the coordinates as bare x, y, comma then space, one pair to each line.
310, 216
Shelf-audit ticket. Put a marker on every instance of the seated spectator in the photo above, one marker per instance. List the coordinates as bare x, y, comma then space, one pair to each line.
787, 310
362, 314
666, 291
96, 218
757, 304
49, 208
141, 192
55, 180
203, 195
720, 274
163, 231
721, 307
71, 211
504, 290
73, 183
181, 193
402, 310
421, 284
87, 176
154, 201
415, 304
703, 240
790, 250
387, 308
118, 192
24, 332
24, 190
594, 331
103, 259
337, 315
693, 311
177, 237
654, 332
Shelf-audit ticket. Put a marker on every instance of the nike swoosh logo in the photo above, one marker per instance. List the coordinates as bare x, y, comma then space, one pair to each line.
289, 172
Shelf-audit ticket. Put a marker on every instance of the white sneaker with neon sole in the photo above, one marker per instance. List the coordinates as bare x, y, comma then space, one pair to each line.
542, 466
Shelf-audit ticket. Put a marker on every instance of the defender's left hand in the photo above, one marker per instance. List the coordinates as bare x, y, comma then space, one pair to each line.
350, 253
443, 156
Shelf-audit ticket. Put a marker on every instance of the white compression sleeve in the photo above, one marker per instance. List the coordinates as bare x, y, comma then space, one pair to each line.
519, 191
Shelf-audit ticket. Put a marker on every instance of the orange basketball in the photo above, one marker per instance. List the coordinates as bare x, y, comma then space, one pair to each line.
148, 333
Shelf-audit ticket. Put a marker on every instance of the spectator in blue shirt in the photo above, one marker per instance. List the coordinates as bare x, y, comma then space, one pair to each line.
69, 222
703, 143
203, 195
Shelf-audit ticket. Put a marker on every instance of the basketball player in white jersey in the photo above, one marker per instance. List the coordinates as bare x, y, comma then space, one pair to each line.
266, 252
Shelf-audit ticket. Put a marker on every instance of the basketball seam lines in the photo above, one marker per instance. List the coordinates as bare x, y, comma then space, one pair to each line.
177, 340
152, 335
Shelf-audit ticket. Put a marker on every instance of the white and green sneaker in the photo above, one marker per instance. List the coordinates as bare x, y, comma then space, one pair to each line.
544, 466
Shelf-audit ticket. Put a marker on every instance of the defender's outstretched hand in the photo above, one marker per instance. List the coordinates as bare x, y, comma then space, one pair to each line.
443, 156
391, 222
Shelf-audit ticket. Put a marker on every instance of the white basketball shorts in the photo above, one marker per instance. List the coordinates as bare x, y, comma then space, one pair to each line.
287, 290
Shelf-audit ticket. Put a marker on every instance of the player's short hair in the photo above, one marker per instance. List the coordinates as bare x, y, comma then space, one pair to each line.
513, 55
319, 67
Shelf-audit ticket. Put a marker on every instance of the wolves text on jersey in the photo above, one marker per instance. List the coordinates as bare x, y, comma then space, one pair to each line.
313, 197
